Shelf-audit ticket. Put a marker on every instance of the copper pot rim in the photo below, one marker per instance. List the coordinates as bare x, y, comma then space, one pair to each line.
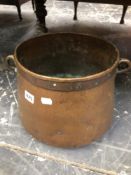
64, 80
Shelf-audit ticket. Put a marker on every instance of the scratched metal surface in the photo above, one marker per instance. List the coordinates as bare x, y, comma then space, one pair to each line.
113, 150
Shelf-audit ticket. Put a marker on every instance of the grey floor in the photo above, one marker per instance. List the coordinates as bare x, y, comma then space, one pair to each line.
111, 153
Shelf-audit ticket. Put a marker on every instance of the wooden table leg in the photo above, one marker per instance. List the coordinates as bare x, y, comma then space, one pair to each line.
123, 13
41, 12
75, 9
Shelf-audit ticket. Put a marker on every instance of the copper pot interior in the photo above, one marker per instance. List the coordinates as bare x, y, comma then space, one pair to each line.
66, 55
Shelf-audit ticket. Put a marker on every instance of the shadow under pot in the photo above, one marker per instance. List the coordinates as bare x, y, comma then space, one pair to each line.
66, 87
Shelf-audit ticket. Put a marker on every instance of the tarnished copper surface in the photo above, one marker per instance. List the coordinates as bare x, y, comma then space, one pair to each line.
74, 118
65, 116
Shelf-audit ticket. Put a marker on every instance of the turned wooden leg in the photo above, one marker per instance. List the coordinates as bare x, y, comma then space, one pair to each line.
41, 12
33, 4
75, 9
19, 11
123, 13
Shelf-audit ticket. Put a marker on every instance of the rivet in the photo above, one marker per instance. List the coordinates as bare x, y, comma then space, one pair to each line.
96, 83
54, 84
109, 75
71, 88
78, 86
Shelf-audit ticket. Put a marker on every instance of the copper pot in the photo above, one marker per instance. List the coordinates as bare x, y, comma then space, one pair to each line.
71, 111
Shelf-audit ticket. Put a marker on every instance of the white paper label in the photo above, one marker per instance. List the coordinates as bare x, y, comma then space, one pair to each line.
46, 101
29, 97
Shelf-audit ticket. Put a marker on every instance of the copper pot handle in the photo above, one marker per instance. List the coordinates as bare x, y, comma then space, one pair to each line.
126, 62
10, 62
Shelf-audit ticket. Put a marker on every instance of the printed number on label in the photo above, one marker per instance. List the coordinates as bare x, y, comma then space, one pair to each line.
29, 97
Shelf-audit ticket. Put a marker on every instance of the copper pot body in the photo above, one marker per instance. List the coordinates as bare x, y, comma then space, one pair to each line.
66, 112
